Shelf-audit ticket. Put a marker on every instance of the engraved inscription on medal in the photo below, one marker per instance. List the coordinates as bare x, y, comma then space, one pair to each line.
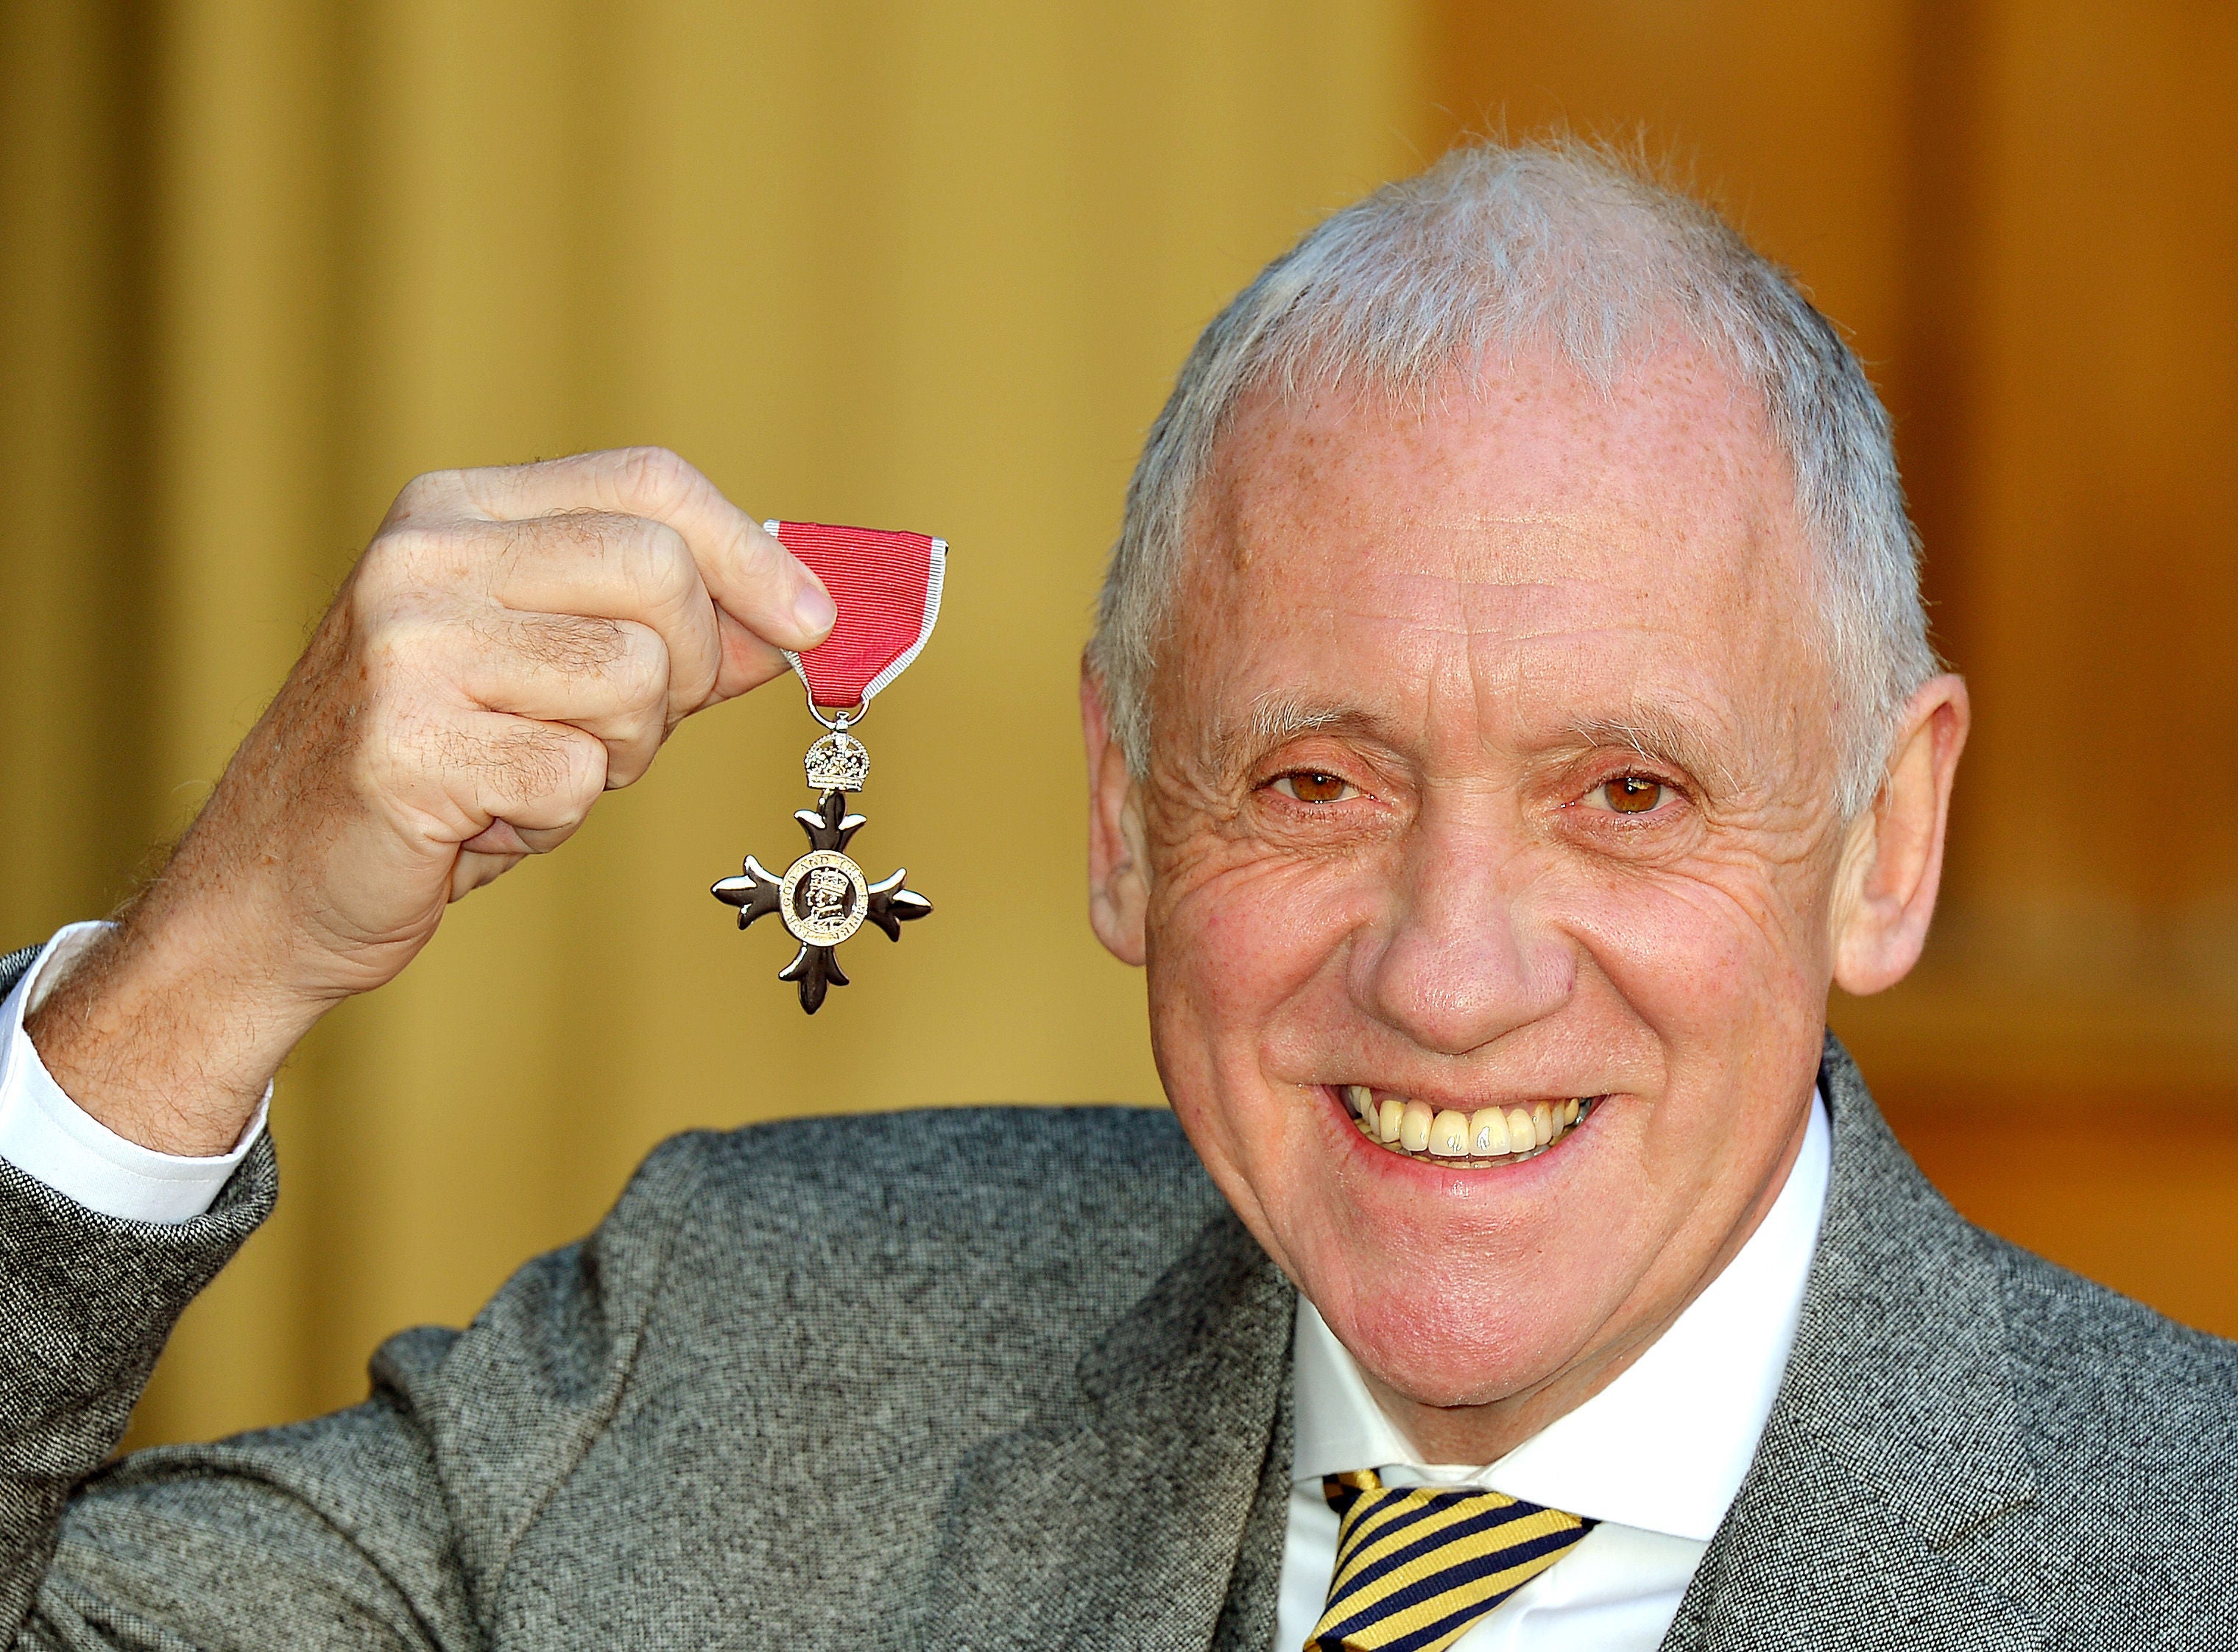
823, 898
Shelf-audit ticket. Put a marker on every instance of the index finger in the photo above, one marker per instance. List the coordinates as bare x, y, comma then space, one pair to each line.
752, 577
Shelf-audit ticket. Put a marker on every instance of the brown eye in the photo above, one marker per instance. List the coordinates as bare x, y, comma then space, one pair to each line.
1633, 795
1308, 786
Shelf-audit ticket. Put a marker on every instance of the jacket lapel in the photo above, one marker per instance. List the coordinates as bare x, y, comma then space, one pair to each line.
1889, 1503
1147, 1511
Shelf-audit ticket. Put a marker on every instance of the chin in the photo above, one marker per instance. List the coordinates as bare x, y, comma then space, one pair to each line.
1456, 1280
1481, 1335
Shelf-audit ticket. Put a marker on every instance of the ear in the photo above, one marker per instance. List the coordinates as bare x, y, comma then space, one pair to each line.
1892, 863
1118, 892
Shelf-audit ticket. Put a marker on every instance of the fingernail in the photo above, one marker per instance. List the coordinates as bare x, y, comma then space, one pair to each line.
815, 611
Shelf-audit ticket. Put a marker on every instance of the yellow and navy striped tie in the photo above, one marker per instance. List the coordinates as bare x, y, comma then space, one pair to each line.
1416, 1566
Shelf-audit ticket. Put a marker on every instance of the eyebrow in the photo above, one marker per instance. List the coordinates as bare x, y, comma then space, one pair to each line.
1660, 734
1278, 717
1275, 717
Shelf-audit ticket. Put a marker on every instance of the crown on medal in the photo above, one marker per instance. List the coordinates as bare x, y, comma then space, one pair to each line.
837, 763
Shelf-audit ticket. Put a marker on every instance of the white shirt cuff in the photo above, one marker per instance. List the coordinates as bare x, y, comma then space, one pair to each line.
45, 1134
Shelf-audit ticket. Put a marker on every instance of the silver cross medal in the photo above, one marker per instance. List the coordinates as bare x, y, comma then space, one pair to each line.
823, 898
886, 586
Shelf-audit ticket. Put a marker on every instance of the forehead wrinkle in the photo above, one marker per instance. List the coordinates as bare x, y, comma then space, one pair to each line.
1685, 713
1489, 613
1476, 601
1521, 548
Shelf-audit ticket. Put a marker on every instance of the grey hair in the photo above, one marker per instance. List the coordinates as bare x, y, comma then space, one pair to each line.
1563, 246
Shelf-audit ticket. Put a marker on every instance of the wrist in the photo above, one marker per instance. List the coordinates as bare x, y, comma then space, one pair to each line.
165, 1031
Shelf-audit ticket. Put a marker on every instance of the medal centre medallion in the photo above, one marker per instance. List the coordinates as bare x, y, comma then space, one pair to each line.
824, 898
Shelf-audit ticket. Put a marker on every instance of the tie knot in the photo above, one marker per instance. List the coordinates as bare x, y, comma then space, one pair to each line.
1416, 1566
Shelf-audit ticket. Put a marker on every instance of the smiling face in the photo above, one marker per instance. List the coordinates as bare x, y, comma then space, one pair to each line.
1495, 771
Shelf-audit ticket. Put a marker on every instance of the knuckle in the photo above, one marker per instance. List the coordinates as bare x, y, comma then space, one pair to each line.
394, 643
569, 645
641, 669
656, 562
432, 493
654, 467
628, 759
575, 768
656, 476
410, 544
405, 555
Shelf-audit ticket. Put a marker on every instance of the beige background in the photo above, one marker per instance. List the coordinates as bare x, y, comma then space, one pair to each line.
932, 266
2026, 212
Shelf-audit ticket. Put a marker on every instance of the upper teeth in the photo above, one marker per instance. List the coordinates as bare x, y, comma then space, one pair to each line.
1413, 1127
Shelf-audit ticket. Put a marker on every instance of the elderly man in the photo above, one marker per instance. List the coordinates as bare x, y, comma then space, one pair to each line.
1509, 711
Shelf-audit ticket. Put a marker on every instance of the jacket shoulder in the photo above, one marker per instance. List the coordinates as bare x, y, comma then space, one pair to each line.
2114, 1392
811, 1302
982, 1248
852, 1306
1010, 1191
991, 1228
1038, 1152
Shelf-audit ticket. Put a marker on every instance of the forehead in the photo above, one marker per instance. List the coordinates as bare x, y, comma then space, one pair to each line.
1532, 539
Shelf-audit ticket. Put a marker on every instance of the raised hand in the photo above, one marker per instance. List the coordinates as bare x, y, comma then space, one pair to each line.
514, 641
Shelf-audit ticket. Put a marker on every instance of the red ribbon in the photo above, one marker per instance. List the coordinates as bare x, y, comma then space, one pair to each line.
887, 587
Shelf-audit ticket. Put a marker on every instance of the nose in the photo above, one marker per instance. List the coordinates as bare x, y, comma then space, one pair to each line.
1461, 958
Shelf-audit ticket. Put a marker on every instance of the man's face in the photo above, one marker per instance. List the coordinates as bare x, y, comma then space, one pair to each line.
1494, 767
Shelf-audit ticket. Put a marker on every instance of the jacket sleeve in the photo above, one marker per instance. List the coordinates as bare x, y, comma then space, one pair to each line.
12, 966
388, 1525
86, 1302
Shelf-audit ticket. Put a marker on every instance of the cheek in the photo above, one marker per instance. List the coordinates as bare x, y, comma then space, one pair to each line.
1731, 990
1699, 958
1235, 939
1244, 963
1677, 956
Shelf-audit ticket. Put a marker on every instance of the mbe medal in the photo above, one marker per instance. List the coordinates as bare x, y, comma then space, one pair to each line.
887, 588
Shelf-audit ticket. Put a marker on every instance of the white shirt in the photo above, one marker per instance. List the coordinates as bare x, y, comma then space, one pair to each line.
45, 1134
1656, 1457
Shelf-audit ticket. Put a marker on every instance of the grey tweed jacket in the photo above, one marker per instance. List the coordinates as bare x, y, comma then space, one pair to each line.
1017, 1378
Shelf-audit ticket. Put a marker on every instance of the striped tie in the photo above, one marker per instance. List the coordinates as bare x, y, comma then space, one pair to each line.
1415, 1566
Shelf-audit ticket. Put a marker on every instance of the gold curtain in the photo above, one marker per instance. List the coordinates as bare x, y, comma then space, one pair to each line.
907, 263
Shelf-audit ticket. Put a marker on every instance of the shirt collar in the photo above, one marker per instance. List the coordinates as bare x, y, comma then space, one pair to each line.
1663, 1447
